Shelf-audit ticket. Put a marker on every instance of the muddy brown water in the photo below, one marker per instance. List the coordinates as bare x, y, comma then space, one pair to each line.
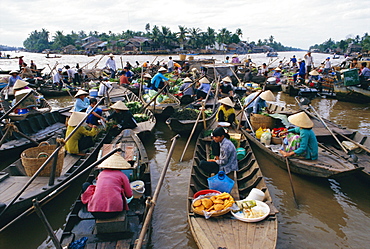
331, 213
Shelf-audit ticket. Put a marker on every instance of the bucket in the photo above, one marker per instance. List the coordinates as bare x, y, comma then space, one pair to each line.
137, 188
240, 153
256, 194
182, 57
258, 120
191, 58
93, 92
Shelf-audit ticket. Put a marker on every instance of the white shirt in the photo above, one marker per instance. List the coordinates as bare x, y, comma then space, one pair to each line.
170, 64
57, 78
103, 89
327, 64
111, 64
71, 73
308, 60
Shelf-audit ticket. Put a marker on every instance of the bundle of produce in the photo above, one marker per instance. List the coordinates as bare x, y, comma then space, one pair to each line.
141, 117
189, 114
134, 106
161, 99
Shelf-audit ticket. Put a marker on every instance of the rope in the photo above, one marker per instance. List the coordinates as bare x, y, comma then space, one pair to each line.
11, 127
61, 141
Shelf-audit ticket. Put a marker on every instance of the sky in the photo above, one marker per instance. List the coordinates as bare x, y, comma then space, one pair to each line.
293, 23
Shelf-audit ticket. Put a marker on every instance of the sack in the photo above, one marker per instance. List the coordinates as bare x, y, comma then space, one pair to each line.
221, 182
266, 137
259, 133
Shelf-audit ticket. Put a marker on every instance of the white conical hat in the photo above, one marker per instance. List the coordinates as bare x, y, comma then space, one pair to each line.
111, 55
115, 161
20, 84
267, 95
81, 92
301, 120
76, 118
147, 76
314, 73
278, 69
227, 79
13, 71
227, 101
120, 106
187, 79
204, 80
162, 69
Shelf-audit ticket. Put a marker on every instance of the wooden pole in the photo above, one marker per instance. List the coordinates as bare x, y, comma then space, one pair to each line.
87, 64
148, 217
16, 104
96, 64
236, 76
121, 62
291, 181
141, 82
356, 143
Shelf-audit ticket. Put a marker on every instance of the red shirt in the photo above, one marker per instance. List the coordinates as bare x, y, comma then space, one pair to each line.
123, 80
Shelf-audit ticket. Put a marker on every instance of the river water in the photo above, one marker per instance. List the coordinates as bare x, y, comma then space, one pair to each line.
331, 213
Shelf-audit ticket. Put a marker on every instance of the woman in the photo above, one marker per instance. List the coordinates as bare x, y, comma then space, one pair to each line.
107, 198
226, 87
122, 116
226, 112
81, 139
202, 91
14, 76
306, 143
82, 102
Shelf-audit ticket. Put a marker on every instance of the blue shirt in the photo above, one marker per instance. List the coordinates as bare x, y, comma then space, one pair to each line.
92, 119
302, 68
189, 91
81, 104
227, 160
294, 60
12, 80
257, 105
157, 80
308, 144
204, 87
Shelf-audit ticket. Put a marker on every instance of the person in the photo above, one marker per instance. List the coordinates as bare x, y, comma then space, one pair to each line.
327, 65
77, 143
104, 87
123, 79
306, 143
146, 64
301, 72
128, 65
186, 90
293, 61
107, 198
14, 76
122, 116
364, 76
257, 105
82, 102
281, 64
203, 89
71, 74
80, 76
263, 71
226, 87
277, 74
26, 72
226, 112
235, 59
309, 63
127, 71
170, 65
34, 68
225, 154
20, 62
353, 64
158, 81
227, 59
147, 81
111, 65
58, 79
96, 115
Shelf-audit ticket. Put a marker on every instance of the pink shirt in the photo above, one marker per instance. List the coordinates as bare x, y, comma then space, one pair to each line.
111, 187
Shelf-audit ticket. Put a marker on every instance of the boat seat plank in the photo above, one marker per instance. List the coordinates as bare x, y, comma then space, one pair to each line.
210, 235
69, 161
322, 131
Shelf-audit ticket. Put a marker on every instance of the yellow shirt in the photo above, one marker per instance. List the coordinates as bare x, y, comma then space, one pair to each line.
227, 113
72, 144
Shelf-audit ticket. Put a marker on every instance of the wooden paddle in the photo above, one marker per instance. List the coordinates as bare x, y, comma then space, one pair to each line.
291, 181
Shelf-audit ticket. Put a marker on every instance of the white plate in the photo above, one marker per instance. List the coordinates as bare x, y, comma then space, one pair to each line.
224, 124
260, 206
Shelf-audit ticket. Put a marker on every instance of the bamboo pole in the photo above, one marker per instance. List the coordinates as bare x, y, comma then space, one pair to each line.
291, 181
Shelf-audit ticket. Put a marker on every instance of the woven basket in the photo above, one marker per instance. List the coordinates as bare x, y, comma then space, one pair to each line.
258, 120
34, 157
213, 213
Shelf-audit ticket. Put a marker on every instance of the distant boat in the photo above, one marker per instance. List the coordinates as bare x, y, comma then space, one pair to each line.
52, 57
272, 54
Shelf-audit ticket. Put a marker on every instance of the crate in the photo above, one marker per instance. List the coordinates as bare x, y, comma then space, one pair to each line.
351, 77
237, 137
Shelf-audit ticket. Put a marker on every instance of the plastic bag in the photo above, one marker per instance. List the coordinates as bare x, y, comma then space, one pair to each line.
221, 182
266, 137
259, 133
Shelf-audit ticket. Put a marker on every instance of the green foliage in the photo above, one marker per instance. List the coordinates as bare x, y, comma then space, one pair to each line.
343, 44
37, 41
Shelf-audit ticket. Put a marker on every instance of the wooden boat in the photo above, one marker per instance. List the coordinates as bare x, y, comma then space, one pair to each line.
328, 165
80, 223
117, 93
272, 54
51, 92
185, 126
14, 177
223, 231
53, 57
352, 94
165, 110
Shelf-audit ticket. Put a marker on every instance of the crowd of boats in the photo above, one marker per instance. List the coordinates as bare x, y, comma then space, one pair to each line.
27, 121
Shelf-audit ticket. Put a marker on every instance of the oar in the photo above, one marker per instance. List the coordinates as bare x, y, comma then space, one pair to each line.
152, 203
96, 64
356, 143
55, 152
141, 81
291, 180
240, 82
195, 126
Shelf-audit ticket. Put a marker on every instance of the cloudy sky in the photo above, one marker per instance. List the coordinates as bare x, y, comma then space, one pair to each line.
298, 23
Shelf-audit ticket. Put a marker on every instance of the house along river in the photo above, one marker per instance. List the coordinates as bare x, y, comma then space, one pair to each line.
331, 214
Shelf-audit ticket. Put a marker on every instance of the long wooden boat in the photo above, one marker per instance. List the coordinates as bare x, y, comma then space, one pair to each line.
14, 177
328, 165
117, 93
185, 126
49, 91
352, 94
81, 223
165, 110
223, 231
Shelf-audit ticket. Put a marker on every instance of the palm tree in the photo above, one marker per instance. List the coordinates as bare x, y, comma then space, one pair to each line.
194, 37
181, 36
271, 39
239, 32
147, 27
223, 36
209, 37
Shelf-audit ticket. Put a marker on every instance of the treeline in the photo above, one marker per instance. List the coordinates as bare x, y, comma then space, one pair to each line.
8, 48
184, 38
342, 45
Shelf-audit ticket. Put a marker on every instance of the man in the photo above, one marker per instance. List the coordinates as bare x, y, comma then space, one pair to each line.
58, 79
170, 64
96, 115
364, 76
259, 103
71, 74
20, 62
263, 71
26, 72
226, 87
123, 79
309, 63
159, 80
34, 69
293, 61
111, 65
301, 72
327, 65
225, 159
127, 71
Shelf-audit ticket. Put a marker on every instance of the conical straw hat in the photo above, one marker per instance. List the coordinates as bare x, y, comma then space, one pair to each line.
119, 105
111, 55
301, 120
115, 161
147, 76
20, 84
13, 71
227, 79
81, 92
187, 79
267, 95
227, 101
278, 69
76, 118
204, 80
314, 73
162, 69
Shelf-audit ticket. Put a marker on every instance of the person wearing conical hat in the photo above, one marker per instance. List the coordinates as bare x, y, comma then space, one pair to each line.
107, 198
147, 81
305, 144
158, 81
20, 84
14, 76
235, 59
203, 88
277, 74
81, 139
226, 112
258, 103
186, 90
226, 87
82, 102
111, 65
122, 116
